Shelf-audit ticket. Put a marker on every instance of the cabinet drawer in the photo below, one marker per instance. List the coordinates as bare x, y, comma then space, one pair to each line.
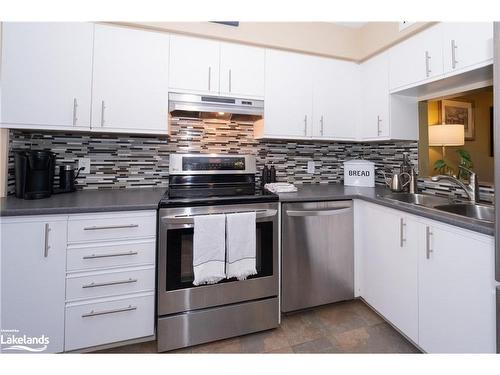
109, 321
106, 255
105, 283
111, 226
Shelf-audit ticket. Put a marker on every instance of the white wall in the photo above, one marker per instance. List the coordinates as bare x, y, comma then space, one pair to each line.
319, 38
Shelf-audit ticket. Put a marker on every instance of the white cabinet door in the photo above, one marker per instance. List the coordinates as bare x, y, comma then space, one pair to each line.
130, 86
33, 270
288, 98
375, 122
389, 243
46, 74
467, 44
242, 70
194, 64
335, 99
417, 59
456, 291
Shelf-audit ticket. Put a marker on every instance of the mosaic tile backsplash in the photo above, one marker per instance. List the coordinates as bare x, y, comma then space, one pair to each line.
120, 161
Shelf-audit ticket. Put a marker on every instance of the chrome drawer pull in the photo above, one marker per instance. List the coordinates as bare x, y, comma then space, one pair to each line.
105, 312
94, 256
111, 227
319, 212
47, 246
428, 249
95, 285
402, 239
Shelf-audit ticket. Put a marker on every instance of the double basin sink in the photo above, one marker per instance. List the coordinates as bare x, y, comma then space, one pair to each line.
473, 211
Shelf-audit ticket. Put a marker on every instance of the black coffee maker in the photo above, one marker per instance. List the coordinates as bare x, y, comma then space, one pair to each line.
34, 172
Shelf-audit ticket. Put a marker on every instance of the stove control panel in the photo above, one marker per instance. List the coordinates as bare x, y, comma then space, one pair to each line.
211, 164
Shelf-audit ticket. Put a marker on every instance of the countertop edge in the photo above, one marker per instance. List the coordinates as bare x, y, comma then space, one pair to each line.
429, 213
74, 210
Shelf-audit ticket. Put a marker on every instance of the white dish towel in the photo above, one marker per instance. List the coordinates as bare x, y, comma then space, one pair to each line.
240, 244
209, 250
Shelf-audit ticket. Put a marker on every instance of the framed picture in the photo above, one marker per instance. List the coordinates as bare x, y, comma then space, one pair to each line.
455, 112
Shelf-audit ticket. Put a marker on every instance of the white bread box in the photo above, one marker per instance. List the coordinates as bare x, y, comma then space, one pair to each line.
359, 173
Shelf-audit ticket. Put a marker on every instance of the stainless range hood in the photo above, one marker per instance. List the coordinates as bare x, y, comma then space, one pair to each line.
219, 107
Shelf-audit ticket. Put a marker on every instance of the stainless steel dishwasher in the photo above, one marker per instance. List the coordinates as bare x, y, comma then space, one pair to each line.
317, 254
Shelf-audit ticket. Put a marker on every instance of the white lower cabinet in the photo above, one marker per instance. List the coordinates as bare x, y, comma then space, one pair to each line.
433, 281
456, 290
388, 265
109, 320
110, 282
33, 265
78, 287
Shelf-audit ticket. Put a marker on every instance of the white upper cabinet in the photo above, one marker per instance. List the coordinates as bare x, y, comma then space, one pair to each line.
288, 95
194, 65
467, 45
242, 70
417, 59
211, 67
375, 123
46, 75
456, 291
130, 86
33, 261
335, 99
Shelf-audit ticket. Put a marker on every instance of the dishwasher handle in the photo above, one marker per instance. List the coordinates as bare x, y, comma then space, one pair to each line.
319, 212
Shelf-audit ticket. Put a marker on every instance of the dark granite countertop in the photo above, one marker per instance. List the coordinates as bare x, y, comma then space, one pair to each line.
85, 201
148, 199
323, 192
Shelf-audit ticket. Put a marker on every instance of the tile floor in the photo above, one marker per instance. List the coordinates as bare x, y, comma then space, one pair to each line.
345, 327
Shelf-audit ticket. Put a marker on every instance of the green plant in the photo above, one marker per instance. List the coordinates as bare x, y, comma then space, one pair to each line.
464, 160
443, 167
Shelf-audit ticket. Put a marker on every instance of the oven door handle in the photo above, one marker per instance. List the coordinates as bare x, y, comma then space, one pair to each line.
185, 220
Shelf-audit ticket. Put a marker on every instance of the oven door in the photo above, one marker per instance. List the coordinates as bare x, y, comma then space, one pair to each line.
176, 292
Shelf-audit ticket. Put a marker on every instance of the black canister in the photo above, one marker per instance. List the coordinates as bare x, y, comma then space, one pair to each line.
67, 178
272, 172
264, 179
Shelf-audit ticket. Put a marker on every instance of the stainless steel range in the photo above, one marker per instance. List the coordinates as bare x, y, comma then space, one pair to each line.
190, 315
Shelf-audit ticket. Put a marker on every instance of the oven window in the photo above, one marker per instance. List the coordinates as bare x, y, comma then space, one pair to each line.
179, 265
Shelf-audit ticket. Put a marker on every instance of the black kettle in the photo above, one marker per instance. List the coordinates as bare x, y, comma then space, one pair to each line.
67, 178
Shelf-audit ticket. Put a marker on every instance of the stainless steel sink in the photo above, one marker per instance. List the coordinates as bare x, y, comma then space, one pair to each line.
418, 199
473, 211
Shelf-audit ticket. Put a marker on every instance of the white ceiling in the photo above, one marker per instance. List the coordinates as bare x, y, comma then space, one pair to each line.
354, 25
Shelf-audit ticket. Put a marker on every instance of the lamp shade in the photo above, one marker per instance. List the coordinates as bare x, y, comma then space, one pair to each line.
446, 135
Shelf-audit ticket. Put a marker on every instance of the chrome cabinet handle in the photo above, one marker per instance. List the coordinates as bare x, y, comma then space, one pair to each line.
94, 256
319, 212
229, 80
305, 125
379, 120
103, 107
322, 123
47, 246
428, 250
209, 76
75, 106
453, 54
402, 239
111, 227
96, 285
105, 312
427, 64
